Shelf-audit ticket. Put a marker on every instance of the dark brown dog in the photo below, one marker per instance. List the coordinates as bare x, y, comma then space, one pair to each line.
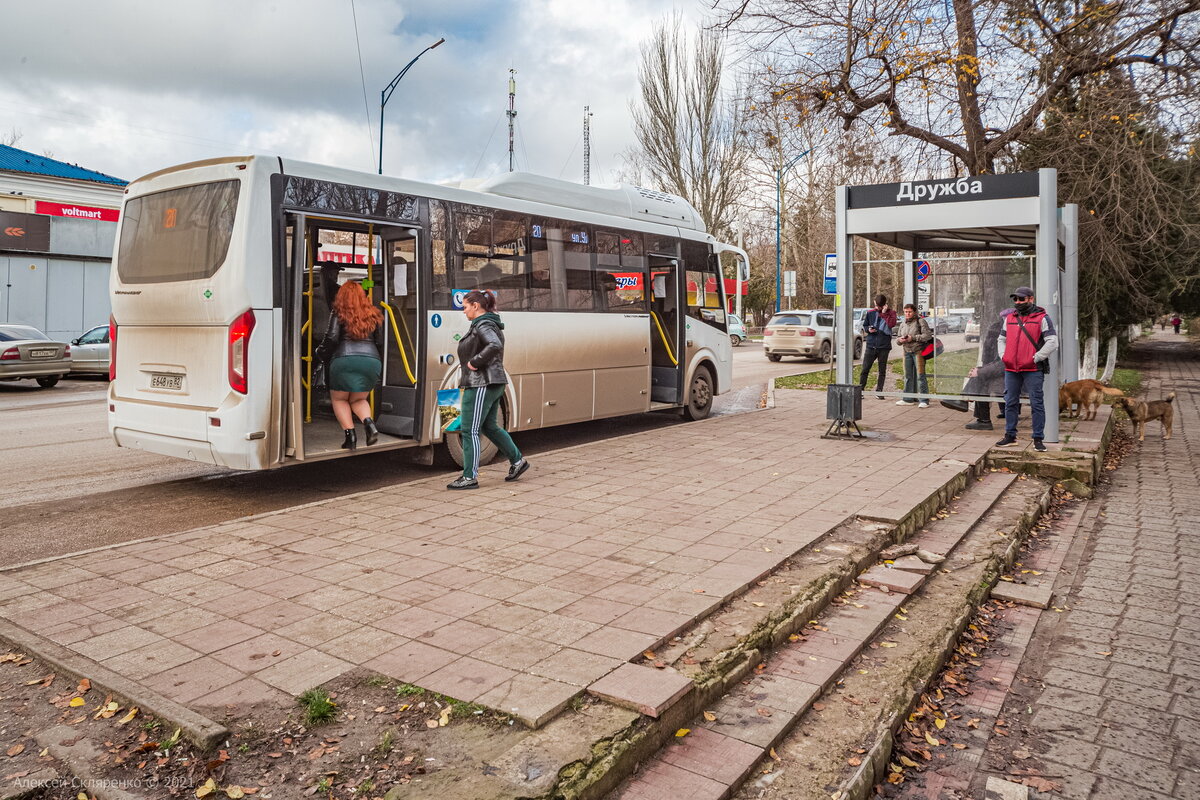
1140, 412
1087, 394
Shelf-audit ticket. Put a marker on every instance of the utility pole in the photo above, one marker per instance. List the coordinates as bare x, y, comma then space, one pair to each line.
512, 113
587, 146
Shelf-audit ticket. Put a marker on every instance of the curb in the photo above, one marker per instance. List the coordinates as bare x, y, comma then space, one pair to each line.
198, 729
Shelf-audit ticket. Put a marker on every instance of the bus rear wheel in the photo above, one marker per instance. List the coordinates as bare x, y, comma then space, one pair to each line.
700, 395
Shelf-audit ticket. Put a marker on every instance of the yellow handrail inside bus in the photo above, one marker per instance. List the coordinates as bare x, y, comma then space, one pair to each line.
308, 341
399, 342
666, 342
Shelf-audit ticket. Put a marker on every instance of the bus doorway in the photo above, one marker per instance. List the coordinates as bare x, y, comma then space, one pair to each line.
666, 329
383, 259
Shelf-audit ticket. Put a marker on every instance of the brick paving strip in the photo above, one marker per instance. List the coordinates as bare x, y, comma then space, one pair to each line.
1118, 714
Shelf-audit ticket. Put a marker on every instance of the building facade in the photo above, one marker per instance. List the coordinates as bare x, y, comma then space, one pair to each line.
58, 224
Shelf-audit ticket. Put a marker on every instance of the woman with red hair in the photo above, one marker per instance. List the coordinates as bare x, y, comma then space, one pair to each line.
352, 343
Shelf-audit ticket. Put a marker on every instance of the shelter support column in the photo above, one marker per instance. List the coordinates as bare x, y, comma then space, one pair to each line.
1046, 285
844, 313
910, 283
1069, 327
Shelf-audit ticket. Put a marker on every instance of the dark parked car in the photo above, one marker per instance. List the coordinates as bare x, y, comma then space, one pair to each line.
26, 352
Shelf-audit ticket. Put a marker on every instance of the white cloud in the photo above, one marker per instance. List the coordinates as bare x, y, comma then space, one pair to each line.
129, 86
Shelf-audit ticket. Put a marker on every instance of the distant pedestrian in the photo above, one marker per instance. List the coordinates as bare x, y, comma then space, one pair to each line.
481, 355
1025, 345
913, 332
878, 324
1176, 321
352, 345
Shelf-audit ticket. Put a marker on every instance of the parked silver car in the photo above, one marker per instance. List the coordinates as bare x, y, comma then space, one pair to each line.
26, 352
806, 333
89, 353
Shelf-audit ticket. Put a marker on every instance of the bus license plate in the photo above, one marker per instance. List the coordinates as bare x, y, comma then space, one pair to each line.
166, 381
43, 353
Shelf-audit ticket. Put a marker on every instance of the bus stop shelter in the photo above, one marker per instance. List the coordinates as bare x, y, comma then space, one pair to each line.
997, 216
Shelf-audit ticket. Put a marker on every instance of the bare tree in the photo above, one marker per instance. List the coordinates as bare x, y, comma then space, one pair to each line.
969, 77
11, 138
689, 130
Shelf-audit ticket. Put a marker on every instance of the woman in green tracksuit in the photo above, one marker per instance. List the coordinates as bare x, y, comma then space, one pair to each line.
481, 355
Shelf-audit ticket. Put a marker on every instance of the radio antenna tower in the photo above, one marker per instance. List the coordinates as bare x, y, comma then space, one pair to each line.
587, 145
512, 113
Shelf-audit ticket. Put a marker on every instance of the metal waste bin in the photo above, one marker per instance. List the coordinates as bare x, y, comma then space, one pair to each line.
843, 405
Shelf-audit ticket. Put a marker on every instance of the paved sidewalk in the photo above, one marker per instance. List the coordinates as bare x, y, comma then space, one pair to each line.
515, 596
1119, 717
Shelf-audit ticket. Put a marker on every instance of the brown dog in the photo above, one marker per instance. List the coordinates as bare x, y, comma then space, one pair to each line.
1140, 412
1087, 394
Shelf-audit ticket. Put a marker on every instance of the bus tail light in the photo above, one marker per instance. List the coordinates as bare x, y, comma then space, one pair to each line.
112, 349
239, 344
11, 354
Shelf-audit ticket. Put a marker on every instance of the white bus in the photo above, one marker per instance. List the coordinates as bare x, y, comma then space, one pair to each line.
224, 271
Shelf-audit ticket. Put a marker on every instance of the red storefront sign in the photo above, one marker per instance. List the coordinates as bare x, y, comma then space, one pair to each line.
78, 212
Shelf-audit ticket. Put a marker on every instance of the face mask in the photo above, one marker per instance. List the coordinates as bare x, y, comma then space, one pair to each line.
1023, 308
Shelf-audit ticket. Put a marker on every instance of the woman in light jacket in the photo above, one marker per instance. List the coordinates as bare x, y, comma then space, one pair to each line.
481, 356
913, 333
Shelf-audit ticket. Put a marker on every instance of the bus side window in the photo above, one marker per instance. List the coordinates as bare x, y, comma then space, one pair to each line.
704, 285
441, 246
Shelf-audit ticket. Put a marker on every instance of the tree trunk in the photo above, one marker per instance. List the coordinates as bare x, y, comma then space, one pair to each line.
1091, 352
1110, 362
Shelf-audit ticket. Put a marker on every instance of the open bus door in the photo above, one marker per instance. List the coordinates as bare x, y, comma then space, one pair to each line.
666, 330
383, 258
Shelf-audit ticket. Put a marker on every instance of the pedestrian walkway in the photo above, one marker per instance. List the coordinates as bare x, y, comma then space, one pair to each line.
1119, 715
516, 596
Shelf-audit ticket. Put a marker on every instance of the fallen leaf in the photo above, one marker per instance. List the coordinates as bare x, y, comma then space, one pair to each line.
895, 777
940, 723
431, 723
756, 603
775, 755
16, 750
76, 702
818, 706
83, 686
710, 716
236, 792
207, 788
763, 712
274, 755
682, 732
854, 762
380, 709
887, 644
128, 717
649, 655
444, 717
958, 746
932, 740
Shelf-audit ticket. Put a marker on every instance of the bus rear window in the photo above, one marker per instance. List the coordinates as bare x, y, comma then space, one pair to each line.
177, 235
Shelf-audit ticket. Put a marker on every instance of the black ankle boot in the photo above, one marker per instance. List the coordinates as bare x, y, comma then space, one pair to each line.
351, 440
372, 431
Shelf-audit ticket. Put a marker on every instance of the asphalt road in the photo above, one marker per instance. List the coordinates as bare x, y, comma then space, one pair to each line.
65, 487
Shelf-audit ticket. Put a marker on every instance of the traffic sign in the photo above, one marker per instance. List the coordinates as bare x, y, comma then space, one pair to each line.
830, 285
922, 270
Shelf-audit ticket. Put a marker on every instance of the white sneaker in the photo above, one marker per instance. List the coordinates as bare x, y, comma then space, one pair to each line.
922, 405
901, 402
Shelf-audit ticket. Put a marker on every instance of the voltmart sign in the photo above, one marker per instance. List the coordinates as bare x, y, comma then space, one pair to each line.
78, 212
952, 190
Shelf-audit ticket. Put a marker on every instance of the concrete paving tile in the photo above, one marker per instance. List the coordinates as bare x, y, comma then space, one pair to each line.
617, 643
663, 624
218, 635
461, 636
658, 780
507, 617
121, 640
194, 679
303, 671
760, 726
545, 598
411, 661
317, 629
362, 644
531, 699
576, 667
558, 629
151, 659
894, 579
515, 651
595, 609
252, 655
413, 622
643, 689
713, 755
466, 679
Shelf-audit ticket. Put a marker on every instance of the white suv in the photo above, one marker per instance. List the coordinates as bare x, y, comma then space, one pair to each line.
806, 333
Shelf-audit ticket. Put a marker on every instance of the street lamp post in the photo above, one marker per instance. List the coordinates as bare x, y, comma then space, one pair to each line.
386, 95
779, 226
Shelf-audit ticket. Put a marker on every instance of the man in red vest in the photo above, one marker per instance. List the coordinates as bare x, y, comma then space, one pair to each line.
1026, 342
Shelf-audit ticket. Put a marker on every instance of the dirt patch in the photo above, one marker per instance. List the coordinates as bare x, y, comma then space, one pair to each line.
380, 735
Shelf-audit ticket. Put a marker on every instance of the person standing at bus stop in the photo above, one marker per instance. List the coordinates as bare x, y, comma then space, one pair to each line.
1026, 343
913, 332
352, 345
481, 354
878, 323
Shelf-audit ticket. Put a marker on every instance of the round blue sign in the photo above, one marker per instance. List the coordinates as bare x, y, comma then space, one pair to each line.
436, 320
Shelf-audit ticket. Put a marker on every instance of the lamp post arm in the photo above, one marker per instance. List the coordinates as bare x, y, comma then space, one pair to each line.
386, 94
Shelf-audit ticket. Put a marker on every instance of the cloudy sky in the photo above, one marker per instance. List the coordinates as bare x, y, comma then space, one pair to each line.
129, 86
